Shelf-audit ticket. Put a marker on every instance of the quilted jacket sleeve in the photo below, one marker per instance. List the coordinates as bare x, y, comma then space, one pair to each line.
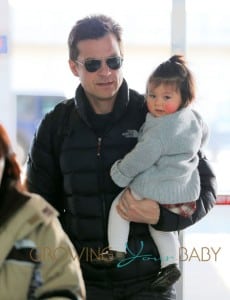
43, 176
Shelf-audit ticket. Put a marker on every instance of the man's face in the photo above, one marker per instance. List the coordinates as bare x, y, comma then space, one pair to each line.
103, 84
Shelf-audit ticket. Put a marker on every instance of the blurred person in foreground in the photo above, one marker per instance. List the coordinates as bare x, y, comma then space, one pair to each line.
37, 259
71, 156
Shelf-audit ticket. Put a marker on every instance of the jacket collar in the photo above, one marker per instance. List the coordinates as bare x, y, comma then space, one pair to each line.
84, 108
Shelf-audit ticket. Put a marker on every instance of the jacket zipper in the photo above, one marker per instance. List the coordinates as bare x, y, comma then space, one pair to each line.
99, 144
99, 139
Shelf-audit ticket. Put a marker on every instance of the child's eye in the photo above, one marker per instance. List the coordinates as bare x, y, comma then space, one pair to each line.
151, 96
167, 98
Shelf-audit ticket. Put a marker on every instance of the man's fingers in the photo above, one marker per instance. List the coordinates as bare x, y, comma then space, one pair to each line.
123, 212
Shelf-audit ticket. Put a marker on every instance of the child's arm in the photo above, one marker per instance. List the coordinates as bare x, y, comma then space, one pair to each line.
145, 154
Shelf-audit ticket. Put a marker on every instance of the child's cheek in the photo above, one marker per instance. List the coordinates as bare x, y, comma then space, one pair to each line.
170, 108
150, 105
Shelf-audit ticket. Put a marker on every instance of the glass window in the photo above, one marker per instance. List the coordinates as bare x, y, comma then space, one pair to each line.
208, 51
207, 243
30, 110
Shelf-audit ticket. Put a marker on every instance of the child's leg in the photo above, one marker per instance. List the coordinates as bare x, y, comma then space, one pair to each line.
168, 246
118, 228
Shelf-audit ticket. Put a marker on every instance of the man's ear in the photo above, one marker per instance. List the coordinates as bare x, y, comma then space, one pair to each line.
73, 67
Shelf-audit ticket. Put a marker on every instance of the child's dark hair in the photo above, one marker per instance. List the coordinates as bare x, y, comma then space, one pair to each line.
175, 72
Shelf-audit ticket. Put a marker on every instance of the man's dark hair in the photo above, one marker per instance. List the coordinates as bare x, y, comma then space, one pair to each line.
92, 27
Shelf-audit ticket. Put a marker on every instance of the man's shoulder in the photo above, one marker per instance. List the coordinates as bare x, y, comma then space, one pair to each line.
64, 104
136, 95
55, 120
61, 110
137, 101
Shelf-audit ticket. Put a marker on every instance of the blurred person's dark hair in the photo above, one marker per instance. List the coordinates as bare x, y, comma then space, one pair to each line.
11, 189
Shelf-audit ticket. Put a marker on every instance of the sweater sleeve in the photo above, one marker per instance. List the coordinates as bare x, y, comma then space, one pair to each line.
143, 156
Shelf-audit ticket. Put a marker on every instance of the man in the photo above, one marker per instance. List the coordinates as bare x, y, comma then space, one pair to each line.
70, 160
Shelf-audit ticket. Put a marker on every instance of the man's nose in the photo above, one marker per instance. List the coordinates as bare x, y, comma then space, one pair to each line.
104, 69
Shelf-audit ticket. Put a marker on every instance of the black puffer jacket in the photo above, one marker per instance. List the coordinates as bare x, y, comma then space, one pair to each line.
69, 165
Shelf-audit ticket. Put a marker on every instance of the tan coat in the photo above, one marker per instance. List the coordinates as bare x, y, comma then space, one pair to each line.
35, 226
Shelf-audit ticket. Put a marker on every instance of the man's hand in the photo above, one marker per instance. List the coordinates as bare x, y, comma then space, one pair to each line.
138, 211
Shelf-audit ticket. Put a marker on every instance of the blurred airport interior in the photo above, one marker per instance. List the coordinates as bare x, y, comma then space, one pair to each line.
34, 76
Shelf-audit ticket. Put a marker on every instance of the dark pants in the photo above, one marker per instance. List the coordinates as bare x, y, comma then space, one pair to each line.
123, 293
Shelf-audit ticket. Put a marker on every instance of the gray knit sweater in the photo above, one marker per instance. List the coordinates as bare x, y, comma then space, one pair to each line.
163, 164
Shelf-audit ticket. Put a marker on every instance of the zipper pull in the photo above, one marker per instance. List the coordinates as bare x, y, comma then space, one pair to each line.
99, 139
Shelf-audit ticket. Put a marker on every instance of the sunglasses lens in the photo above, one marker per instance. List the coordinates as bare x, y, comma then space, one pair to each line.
114, 63
92, 65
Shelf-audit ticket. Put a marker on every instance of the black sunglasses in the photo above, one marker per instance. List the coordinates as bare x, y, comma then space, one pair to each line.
92, 65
